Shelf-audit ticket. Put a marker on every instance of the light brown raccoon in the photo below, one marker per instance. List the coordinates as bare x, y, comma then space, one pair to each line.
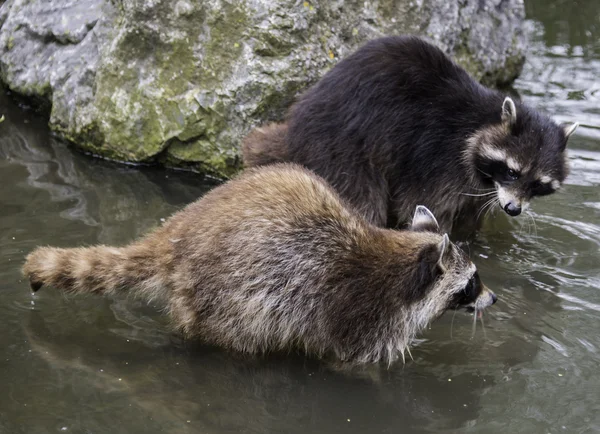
274, 260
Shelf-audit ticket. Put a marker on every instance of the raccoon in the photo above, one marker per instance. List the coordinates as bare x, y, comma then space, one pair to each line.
398, 123
270, 139
274, 260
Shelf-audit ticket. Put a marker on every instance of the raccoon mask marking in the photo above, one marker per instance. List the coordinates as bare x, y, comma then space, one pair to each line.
460, 286
519, 162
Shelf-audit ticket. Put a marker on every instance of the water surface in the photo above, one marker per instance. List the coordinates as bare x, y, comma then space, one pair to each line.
95, 365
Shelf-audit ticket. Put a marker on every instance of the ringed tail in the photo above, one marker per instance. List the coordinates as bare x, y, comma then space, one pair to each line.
95, 270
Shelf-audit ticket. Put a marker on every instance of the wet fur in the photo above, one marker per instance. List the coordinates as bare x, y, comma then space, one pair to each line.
274, 260
392, 126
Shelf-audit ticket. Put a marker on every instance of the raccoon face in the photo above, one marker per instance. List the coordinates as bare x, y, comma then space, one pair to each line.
457, 284
475, 296
523, 157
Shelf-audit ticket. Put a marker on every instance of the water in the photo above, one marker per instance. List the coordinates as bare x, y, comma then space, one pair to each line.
94, 365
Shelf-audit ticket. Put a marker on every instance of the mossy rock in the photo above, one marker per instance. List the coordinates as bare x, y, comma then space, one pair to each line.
181, 82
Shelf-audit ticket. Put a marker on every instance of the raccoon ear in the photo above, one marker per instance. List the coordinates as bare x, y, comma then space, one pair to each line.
509, 112
432, 258
443, 249
569, 128
424, 221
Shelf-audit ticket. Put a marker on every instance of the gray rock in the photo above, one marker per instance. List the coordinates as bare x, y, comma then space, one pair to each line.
181, 81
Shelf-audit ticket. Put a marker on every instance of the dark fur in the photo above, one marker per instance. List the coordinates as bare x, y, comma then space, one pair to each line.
274, 260
388, 128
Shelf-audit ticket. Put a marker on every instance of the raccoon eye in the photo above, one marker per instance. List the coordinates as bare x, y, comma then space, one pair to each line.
470, 287
512, 174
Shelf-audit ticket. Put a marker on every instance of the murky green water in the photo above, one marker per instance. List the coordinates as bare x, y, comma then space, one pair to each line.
93, 365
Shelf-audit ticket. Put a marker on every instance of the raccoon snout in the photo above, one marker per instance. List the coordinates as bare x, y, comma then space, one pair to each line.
509, 201
486, 299
512, 209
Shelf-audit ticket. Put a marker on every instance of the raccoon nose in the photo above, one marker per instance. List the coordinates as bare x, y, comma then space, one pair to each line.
511, 209
494, 298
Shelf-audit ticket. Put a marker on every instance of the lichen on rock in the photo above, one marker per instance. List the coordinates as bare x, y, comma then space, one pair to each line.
180, 81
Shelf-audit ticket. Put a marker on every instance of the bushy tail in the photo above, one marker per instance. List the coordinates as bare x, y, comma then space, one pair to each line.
96, 270
265, 145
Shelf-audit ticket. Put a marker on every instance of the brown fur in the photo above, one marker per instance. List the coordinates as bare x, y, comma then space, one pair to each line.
265, 145
274, 260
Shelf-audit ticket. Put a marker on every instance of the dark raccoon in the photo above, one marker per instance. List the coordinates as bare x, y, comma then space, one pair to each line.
398, 123
274, 260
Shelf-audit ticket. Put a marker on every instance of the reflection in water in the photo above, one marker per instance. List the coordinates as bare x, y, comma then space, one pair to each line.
562, 76
89, 364
573, 25
98, 194
219, 392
